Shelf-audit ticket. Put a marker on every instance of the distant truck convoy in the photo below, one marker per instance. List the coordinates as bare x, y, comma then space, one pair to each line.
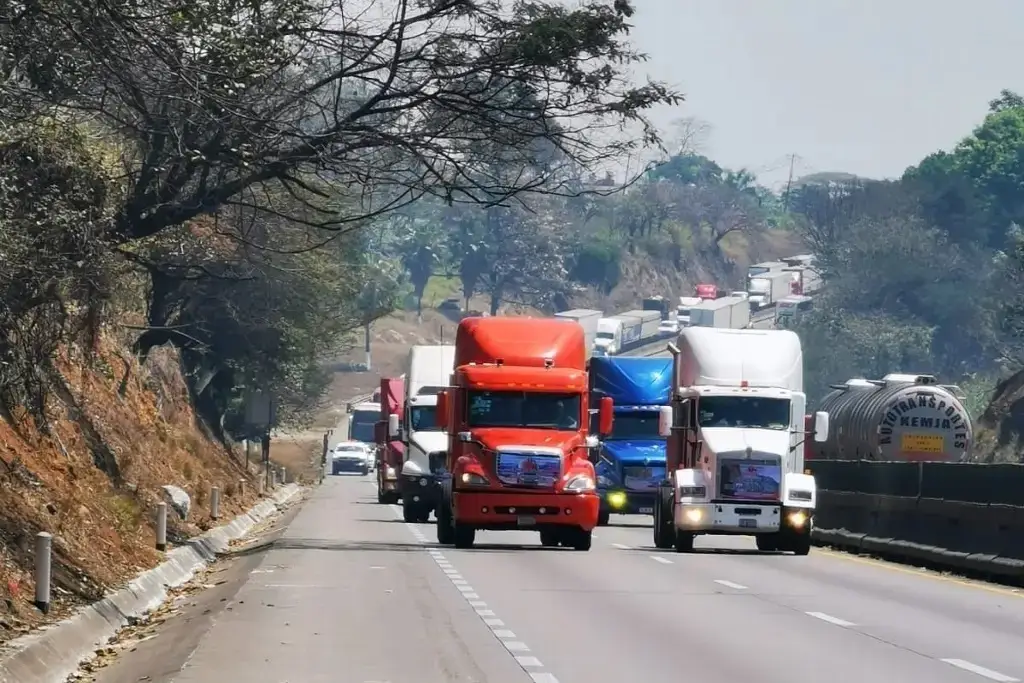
899, 417
735, 429
588, 319
686, 303
632, 458
727, 313
806, 281
520, 452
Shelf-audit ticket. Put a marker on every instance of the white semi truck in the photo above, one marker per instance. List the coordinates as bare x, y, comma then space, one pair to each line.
735, 428
426, 445
766, 290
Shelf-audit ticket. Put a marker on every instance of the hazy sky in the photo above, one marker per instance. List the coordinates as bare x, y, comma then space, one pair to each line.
864, 86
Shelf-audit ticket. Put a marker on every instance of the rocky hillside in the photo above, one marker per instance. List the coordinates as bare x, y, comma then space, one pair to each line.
145, 431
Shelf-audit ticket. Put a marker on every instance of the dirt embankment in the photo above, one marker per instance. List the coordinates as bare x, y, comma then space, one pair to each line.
103, 530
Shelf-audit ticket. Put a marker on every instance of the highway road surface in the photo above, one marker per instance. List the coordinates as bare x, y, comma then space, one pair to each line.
349, 593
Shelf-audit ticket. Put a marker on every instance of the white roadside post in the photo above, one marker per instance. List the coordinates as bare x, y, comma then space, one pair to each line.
161, 526
44, 548
215, 503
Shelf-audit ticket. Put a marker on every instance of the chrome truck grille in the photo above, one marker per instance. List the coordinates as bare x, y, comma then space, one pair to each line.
528, 469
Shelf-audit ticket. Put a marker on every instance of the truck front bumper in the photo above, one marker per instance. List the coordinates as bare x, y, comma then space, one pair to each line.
503, 511
742, 518
622, 502
422, 489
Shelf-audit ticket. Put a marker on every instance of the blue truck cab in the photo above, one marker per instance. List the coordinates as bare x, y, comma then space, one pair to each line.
631, 462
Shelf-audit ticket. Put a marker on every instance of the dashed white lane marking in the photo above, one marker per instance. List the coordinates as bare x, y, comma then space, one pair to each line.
830, 619
662, 560
620, 546
730, 584
506, 637
981, 671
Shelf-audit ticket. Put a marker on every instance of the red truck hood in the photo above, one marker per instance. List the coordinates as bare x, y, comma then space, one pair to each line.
495, 437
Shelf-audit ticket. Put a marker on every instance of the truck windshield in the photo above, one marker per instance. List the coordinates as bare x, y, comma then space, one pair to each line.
422, 419
605, 335
640, 424
523, 409
361, 425
743, 411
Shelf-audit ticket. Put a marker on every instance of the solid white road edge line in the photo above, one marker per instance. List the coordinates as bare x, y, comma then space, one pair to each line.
830, 619
507, 638
730, 584
981, 671
662, 560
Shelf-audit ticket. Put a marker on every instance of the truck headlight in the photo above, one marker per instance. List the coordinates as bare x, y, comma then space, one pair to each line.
471, 479
390, 471
693, 515
798, 519
579, 484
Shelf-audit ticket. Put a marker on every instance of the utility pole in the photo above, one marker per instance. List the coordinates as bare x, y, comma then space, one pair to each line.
789, 183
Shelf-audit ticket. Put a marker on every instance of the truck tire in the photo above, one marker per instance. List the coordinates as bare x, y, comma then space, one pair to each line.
664, 525
465, 536
768, 543
382, 497
550, 538
801, 545
603, 518
423, 515
445, 529
582, 540
410, 512
683, 542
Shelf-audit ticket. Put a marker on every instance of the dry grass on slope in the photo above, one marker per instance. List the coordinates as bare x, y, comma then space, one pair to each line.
104, 534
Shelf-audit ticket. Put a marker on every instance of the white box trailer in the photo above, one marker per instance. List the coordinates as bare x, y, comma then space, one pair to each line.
638, 327
587, 319
725, 313
766, 290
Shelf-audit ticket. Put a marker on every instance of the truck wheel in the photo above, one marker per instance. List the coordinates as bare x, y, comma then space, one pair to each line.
410, 513
664, 525
801, 545
423, 514
382, 497
392, 498
549, 538
768, 543
582, 540
603, 518
445, 530
684, 542
465, 536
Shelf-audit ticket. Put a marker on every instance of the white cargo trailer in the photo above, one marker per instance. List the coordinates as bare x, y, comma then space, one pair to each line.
766, 290
587, 319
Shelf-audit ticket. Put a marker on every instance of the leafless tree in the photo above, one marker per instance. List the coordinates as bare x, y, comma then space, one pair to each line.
213, 100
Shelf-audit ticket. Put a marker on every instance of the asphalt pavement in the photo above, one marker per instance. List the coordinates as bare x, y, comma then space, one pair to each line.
350, 593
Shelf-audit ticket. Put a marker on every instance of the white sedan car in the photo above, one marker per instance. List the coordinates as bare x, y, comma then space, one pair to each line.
352, 456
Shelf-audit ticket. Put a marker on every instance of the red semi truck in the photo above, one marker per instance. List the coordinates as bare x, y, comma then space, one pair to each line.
520, 455
390, 451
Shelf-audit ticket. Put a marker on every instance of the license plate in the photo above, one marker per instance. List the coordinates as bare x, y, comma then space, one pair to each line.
748, 523
526, 521
646, 511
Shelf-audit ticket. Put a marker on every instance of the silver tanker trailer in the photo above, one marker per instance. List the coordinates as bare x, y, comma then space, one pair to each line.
899, 417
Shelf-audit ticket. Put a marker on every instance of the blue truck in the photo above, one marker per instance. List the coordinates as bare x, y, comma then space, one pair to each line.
631, 462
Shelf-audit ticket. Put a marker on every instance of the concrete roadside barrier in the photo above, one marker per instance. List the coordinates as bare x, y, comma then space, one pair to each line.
52, 654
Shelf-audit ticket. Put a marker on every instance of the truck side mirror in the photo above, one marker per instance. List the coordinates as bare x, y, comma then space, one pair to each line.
441, 412
605, 416
393, 426
665, 421
821, 426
